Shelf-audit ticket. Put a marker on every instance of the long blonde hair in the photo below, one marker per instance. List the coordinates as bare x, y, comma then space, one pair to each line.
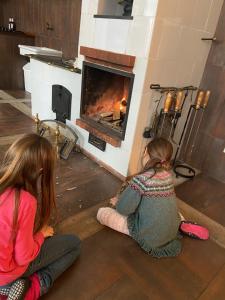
27, 162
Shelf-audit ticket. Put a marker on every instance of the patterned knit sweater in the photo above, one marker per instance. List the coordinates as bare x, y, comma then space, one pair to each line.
153, 220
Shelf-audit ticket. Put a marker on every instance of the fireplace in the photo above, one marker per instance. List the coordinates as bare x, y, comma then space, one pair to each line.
105, 98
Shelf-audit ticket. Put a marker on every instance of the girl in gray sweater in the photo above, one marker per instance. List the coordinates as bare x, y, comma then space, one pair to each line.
146, 209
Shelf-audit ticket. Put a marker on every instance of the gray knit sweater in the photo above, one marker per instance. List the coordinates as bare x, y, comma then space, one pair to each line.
153, 219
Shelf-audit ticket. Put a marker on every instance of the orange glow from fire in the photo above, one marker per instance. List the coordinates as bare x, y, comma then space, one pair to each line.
113, 100
123, 105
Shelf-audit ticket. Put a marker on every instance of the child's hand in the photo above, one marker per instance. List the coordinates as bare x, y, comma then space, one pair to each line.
113, 201
47, 231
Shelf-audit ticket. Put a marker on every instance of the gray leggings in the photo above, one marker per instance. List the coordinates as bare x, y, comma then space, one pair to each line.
57, 254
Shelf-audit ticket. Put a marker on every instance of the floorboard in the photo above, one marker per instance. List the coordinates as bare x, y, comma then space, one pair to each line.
124, 288
205, 194
215, 290
110, 259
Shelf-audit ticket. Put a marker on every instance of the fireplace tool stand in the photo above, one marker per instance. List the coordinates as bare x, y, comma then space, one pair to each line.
172, 111
197, 108
173, 107
61, 135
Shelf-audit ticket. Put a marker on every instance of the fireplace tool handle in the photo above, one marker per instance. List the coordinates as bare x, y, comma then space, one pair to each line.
203, 106
183, 132
167, 105
197, 107
177, 110
152, 130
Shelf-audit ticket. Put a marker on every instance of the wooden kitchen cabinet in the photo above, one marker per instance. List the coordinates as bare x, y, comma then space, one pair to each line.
11, 62
58, 25
38, 17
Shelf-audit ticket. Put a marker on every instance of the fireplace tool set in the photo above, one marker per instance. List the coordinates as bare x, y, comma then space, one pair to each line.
61, 135
167, 115
200, 106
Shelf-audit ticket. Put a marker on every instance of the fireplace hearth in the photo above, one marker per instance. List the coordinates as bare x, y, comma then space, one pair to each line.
105, 98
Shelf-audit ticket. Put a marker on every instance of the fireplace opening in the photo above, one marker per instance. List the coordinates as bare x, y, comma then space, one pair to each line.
105, 98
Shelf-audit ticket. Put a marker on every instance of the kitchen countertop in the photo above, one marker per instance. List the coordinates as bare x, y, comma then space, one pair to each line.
55, 61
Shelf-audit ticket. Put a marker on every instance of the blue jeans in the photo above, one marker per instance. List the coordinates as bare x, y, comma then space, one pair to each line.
56, 255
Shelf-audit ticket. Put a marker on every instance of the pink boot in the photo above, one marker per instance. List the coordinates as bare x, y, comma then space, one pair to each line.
194, 230
34, 291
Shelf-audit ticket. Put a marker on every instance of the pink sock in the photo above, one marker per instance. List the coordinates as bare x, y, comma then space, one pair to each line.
34, 291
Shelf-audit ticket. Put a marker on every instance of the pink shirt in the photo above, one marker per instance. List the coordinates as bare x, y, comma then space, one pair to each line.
15, 258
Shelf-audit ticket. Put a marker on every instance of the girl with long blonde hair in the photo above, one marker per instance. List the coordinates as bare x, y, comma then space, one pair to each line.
31, 258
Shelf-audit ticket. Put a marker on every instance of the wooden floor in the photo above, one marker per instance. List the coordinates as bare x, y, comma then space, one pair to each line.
111, 265
205, 194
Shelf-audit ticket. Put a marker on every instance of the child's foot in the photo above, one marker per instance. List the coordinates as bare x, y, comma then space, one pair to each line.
18, 289
194, 230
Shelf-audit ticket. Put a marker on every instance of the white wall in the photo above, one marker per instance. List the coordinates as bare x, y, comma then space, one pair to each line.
177, 55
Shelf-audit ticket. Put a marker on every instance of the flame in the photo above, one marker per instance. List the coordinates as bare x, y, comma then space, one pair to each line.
111, 99
123, 105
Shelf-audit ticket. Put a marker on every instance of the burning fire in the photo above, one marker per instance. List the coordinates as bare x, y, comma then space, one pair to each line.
111, 102
107, 105
123, 105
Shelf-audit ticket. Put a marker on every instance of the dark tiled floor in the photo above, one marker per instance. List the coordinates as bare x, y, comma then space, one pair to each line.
19, 94
13, 121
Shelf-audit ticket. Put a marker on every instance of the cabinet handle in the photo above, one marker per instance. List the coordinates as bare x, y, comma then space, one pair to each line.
48, 27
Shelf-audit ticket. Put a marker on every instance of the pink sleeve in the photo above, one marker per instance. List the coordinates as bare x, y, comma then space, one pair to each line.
27, 245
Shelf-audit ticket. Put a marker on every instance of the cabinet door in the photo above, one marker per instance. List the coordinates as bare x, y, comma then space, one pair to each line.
27, 20
43, 17
52, 16
58, 17
72, 28
58, 25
